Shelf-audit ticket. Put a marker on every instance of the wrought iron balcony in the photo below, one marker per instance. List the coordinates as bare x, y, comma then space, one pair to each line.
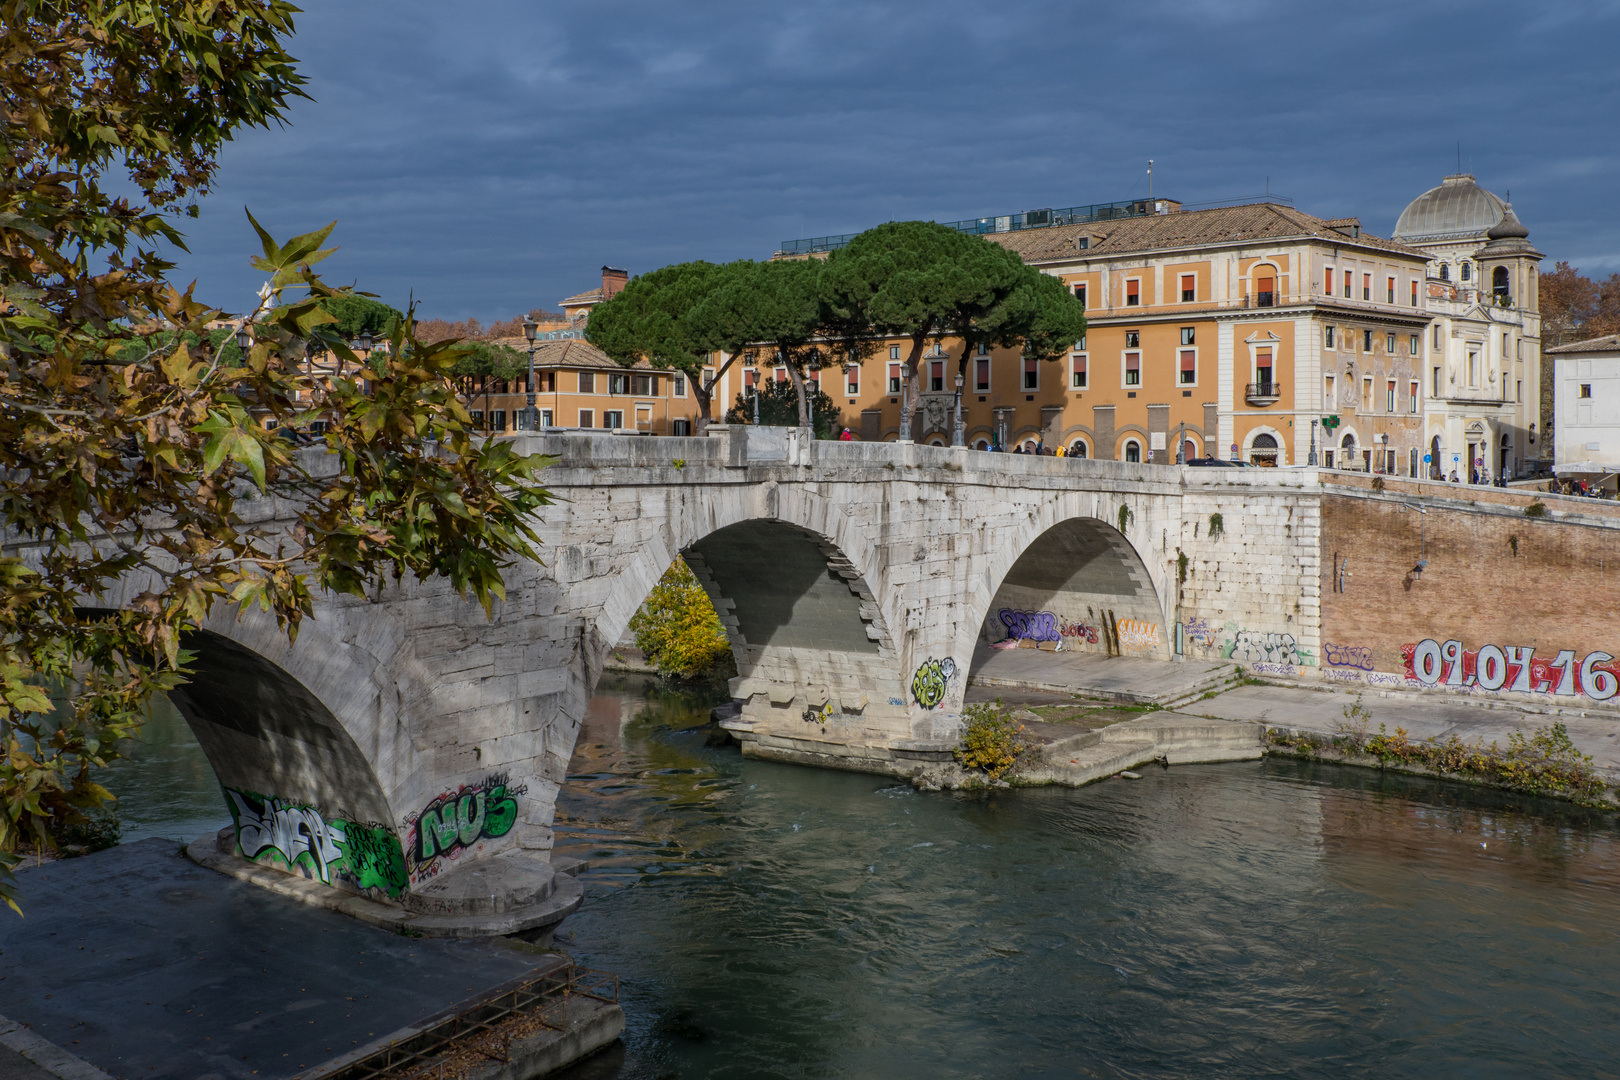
1262, 393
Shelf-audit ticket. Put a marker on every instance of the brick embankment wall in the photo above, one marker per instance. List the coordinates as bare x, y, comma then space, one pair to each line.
1515, 592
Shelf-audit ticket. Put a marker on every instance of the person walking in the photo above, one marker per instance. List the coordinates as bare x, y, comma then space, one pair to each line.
1060, 452
846, 436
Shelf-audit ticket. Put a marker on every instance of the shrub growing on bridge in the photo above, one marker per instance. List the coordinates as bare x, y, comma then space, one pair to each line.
991, 740
678, 629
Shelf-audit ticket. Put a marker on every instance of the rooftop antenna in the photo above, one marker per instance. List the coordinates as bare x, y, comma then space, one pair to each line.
1150, 179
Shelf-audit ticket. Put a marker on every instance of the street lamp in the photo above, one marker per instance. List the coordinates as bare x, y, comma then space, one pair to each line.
1181, 444
905, 402
1312, 459
531, 415
956, 439
244, 337
751, 362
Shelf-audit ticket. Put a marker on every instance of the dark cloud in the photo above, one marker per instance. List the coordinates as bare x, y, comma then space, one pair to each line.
491, 157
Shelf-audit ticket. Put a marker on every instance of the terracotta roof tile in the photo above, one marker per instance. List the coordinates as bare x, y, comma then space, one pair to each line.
1607, 343
583, 298
571, 354
1184, 229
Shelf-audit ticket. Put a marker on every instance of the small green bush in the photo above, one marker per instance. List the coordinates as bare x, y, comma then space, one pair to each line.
1537, 509
678, 629
992, 740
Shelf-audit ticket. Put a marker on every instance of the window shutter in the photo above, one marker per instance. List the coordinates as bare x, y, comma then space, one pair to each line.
1189, 360
1133, 361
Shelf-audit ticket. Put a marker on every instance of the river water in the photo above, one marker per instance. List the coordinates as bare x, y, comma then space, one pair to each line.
1241, 920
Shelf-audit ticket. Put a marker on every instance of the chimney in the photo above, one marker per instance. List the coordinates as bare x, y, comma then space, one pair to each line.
613, 279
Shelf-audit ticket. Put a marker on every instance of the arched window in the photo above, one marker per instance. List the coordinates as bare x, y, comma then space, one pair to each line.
1079, 449
1467, 270
1499, 283
982, 444
1445, 271
1133, 451
1263, 450
1436, 470
1347, 451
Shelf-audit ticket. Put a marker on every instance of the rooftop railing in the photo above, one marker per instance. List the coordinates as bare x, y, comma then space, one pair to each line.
1041, 219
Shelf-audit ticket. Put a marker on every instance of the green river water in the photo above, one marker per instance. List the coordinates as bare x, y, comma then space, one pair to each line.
1241, 920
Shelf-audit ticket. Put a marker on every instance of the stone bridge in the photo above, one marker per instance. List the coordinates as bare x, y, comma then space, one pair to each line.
407, 741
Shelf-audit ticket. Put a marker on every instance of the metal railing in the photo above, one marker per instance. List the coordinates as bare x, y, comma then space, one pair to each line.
1260, 392
544, 999
1040, 219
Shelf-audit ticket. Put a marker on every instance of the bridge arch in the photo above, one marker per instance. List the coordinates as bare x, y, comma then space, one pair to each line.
1070, 576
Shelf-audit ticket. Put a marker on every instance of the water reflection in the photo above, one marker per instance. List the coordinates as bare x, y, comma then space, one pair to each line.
1238, 920
165, 786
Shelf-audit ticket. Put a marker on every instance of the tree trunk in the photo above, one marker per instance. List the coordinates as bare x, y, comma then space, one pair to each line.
798, 388
914, 384
705, 394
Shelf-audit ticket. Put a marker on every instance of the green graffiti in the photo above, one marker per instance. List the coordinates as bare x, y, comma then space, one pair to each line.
929, 683
299, 837
459, 819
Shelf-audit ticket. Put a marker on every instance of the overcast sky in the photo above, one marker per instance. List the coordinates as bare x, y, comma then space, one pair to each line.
491, 157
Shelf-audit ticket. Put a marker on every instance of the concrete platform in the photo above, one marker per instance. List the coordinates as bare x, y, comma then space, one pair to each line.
1128, 679
1424, 716
144, 964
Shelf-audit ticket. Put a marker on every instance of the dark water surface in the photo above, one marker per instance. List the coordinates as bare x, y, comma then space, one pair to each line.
1254, 919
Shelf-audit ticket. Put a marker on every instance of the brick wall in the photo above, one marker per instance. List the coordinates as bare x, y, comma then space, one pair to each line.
1494, 578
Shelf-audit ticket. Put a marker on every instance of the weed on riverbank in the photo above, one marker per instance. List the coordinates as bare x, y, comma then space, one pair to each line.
1543, 762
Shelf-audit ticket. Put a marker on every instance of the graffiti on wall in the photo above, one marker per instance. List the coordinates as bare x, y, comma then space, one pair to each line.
270, 830
1356, 656
1513, 668
1138, 634
1043, 626
1255, 647
931, 680
457, 820
1199, 632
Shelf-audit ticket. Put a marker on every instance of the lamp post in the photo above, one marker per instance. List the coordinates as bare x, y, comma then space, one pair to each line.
751, 362
814, 367
1181, 444
1312, 459
956, 438
531, 415
905, 402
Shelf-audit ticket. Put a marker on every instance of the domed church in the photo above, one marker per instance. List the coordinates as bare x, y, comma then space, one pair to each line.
1483, 393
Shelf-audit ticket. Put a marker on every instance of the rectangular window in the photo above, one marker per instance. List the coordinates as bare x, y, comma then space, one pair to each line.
1262, 368
587, 384
1504, 346
613, 419
1389, 344
1586, 389
587, 418
894, 352
1189, 366
1473, 368
1366, 286
1187, 335
1518, 391
981, 373
618, 384
982, 350
1412, 404
680, 427
1437, 335
1412, 346
1366, 393
1327, 281
497, 420
1436, 391
1077, 371
894, 377
1133, 292
936, 376
1189, 288
644, 385
678, 385
1133, 339
1389, 396
1347, 280
1414, 292
1032, 374
1327, 392
1366, 341
1391, 290
545, 418
750, 378
1133, 369
1080, 292
781, 374
1266, 289
852, 381
1327, 336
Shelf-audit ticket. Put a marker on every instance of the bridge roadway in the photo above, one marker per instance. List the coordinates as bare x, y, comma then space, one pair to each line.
410, 749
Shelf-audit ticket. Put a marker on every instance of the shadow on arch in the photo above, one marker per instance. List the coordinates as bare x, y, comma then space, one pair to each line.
1080, 587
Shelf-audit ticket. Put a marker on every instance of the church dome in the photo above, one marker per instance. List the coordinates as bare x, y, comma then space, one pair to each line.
1457, 208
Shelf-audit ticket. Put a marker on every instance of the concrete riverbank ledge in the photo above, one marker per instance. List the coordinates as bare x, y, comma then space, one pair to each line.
516, 895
